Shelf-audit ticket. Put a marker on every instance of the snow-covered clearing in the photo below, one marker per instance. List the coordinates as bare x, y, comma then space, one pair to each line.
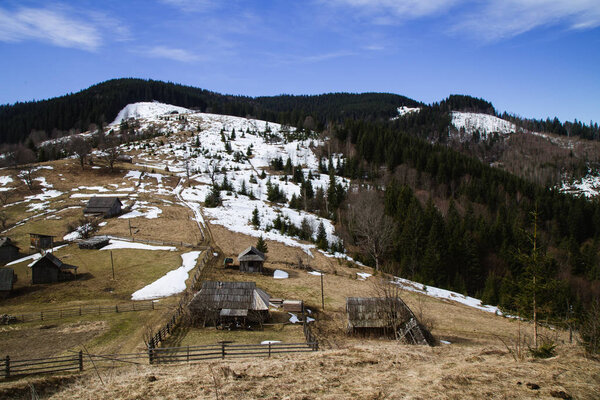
5, 180
446, 295
147, 110
142, 209
404, 110
588, 186
485, 124
120, 244
171, 283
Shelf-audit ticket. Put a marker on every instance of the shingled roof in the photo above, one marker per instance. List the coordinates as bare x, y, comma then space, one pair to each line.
59, 264
100, 205
251, 254
230, 295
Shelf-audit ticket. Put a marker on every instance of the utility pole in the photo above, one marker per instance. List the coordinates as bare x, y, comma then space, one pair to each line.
112, 264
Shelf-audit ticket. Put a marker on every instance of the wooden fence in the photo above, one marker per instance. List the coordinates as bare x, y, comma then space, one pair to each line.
163, 332
309, 335
41, 365
224, 350
46, 315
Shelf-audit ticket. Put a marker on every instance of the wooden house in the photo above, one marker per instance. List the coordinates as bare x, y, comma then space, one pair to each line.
8, 250
103, 206
40, 241
225, 302
7, 281
251, 260
385, 316
49, 269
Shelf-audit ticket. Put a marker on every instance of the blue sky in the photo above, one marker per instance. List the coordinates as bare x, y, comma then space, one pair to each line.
534, 58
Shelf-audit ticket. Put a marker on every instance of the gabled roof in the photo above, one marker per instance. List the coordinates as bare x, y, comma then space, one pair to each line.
101, 204
5, 241
251, 254
230, 295
372, 312
7, 278
55, 261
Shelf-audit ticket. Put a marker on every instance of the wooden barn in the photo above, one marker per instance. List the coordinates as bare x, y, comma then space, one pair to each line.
387, 316
251, 260
7, 281
49, 269
8, 250
222, 303
103, 206
40, 241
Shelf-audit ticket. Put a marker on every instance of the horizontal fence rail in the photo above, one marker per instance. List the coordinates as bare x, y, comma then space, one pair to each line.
46, 315
12, 368
224, 350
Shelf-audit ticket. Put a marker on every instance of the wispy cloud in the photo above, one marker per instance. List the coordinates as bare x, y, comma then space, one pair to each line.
494, 21
488, 20
170, 53
54, 26
193, 5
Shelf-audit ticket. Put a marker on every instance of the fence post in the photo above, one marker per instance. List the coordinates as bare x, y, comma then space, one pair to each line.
133, 306
41, 315
80, 360
269, 349
152, 303
79, 310
188, 353
222, 350
7, 367
150, 352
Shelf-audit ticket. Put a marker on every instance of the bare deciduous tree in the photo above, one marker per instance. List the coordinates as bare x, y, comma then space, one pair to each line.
370, 226
80, 147
111, 151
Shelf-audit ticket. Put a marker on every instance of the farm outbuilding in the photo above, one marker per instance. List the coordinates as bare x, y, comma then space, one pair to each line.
8, 250
94, 243
103, 206
251, 260
385, 316
40, 241
7, 281
223, 302
49, 269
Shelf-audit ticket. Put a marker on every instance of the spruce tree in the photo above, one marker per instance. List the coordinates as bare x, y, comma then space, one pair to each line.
261, 245
255, 218
322, 237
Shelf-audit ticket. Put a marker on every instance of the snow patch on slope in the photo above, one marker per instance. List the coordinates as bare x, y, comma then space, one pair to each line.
147, 110
485, 124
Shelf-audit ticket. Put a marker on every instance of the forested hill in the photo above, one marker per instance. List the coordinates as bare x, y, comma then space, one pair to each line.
100, 104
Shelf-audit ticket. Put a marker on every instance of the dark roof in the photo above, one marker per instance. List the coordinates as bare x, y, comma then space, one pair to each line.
230, 295
5, 241
251, 254
59, 264
7, 278
101, 204
372, 312
40, 235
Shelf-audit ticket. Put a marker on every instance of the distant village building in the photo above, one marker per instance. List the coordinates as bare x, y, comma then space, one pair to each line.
50, 269
8, 250
251, 260
225, 302
388, 316
103, 206
7, 281
40, 241
124, 158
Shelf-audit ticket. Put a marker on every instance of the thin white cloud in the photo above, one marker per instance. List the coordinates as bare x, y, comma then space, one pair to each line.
170, 53
390, 11
54, 26
192, 5
499, 20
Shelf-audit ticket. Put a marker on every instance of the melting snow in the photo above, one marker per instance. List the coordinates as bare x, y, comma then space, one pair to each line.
119, 244
484, 123
279, 274
293, 319
270, 341
363, 275
147, 110
34, 257
171, 283
316, 273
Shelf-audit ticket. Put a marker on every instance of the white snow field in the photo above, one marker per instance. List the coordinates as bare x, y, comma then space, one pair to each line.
484, 123
171, 283
120, 244
147, 110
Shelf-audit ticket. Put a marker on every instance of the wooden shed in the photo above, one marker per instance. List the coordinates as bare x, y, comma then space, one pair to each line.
8, 250
251, 260
49, 269
7, 281
40, 241
103, 206
94, 243
385, 316
222, 302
